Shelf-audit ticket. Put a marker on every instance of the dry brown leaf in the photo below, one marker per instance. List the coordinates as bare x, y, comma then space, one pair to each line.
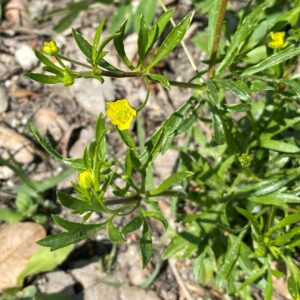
17, 245
13, 11
22, 93
20, 147
49, 121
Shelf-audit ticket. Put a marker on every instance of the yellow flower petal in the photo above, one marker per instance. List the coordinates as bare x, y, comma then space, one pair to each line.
276, 40
85, 179
120, 113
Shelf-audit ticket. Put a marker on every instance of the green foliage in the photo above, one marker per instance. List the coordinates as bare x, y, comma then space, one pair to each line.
30, 201
237, 186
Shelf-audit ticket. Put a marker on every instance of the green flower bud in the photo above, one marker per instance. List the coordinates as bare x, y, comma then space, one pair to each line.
50, 48
245, 160
68, 78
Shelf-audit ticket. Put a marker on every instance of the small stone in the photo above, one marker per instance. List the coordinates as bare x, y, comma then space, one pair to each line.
3, 99
49, 121
25, 57
56, 282
20, 147
131, 260
95, 283
91, 94
6, 173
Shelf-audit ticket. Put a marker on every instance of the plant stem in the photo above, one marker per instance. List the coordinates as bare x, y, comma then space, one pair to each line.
186, 85
124, 200
122, 74
220, 19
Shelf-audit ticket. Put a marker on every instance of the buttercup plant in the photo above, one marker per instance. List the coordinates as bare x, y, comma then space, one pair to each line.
243, 183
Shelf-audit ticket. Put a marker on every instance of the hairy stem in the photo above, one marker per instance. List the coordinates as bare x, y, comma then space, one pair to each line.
220, 19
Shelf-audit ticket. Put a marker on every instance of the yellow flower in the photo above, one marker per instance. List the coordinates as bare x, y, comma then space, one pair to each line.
120, 113
277, 40
50, 48
85, 179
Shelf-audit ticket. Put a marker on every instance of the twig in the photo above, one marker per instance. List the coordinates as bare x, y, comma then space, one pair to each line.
185, 291
213, 57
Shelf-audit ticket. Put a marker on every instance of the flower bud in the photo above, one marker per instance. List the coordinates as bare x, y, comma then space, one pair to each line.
85, 179
50, 48
68, 78
245, 160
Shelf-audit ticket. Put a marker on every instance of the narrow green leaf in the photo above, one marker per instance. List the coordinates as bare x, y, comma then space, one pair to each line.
287, 237
162, 79
294, 84
66, 21
278, 146
114, 234
293, 287
133, 225
242, 107
269, 288
213, 94
158, 28
172, 40
44, 78
127, 139
277, 198
168, 129
96, 40
142, 40
146, 244
218, 130
46, 61
44, 142
82, 44
171, 180
77, 232
252, 278
234, 88
250, 218
244, 30
273, 60
230, 258
156, 215
119, 45
75, 204
266, 186
290, 219
146, 8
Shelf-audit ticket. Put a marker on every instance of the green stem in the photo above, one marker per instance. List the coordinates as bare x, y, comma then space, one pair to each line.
124, 200
187, 85
122, 74
213, 57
